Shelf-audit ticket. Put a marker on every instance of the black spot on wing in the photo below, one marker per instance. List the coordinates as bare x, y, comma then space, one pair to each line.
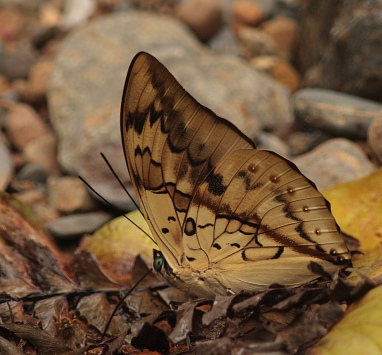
237, 245
215, 185
217, 246
171, 218
165, 230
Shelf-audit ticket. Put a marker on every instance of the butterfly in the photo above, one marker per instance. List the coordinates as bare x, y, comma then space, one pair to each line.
226, 216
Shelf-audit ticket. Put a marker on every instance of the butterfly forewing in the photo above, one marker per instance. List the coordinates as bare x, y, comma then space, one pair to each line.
167, 147
225, 215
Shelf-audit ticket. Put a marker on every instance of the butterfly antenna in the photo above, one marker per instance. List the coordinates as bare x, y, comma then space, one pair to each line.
120, 182
113, 207
121, 302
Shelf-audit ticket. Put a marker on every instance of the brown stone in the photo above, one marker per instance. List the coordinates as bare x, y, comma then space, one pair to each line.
284, 32
279, 69
24, 125
39, 204
43, 151
12, 23
374, 136
204, 17
247, 13
255, 42
39, 78
69, 194
4, 84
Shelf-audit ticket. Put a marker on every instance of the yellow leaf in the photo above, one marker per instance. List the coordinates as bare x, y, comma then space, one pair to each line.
357, 207
117, 244
359, 332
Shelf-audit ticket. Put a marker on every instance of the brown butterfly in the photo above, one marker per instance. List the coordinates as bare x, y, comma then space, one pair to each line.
226, 216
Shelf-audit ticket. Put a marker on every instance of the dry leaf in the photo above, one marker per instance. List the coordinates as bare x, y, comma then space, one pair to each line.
359, 332
117, 244
357, 207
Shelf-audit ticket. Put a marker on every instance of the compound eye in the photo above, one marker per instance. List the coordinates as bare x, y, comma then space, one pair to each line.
158, 262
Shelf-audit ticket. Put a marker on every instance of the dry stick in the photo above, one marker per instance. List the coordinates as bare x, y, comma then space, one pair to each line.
121, 301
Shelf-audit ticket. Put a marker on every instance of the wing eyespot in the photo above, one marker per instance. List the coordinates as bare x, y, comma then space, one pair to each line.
190, 227
274, 179
290, 190
252, 168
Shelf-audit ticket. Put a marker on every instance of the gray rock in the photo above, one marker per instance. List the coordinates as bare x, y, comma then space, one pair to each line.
225, 41
334, 162
335, 113
6, 165
91, 67
33, 172
271, 142
68, 194
75, 225
341, 47
95, 171
15, 62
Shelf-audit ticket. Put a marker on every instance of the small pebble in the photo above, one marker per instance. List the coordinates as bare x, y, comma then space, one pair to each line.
255, 42
247, 13
374, 136
334, 162
12, 23
38, 203
6, 165
335, 113
68, 227
49, 14
39, 79
69, 194
43, 151
24, 125
284, 32
4, 85
33, 172
271, 142
204, 17
279, 69
22, 54
77, 12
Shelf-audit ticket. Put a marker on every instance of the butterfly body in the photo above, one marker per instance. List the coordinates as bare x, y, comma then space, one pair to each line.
226, 216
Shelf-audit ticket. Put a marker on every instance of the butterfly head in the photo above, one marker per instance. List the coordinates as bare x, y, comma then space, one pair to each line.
162, 266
